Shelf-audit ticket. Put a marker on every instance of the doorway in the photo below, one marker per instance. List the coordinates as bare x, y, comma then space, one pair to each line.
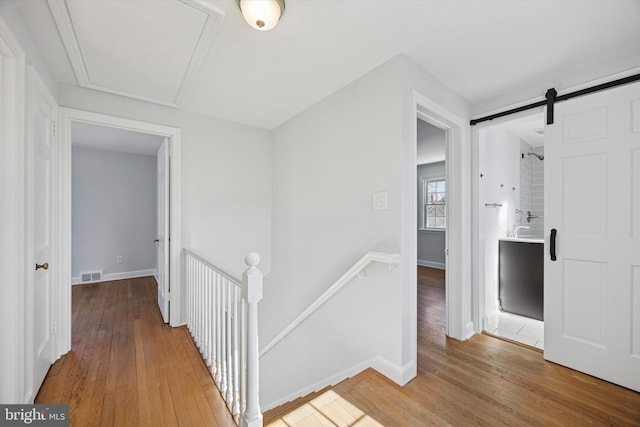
115, 207
67, 118
432, 201
511, 228
458, 288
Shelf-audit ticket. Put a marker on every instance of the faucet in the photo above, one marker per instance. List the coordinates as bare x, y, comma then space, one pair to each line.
518, 228
530, 217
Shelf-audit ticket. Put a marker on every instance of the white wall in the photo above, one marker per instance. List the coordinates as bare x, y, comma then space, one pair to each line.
14, 20
226, 177
431, 143
499, 164
327, 161
113, 213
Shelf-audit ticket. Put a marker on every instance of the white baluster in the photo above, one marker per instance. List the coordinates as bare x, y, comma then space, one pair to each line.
201, 308
190, 294
192, 299
252, 293
222, 319
216, 307
228, 320
197, 302
196, 268
243, 355
223, 341
193, 296
212, 289
218, 376
235, 408
187, 262
207, 318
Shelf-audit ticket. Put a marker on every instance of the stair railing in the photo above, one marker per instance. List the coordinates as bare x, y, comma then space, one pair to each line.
222, 317
355, 270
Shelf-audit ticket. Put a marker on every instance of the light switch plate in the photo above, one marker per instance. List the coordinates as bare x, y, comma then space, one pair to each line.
379, 201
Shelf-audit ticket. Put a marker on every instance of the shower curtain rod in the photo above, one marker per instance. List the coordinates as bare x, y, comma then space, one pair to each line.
551, 97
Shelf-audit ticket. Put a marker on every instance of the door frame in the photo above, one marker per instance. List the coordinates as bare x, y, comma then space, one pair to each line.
478, 306
67, 116
13, 387
458, 281
165, 308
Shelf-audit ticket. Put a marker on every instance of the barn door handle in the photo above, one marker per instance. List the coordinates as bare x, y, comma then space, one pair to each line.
552, 244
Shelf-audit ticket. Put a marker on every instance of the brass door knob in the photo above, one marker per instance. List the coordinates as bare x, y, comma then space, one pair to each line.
44, 266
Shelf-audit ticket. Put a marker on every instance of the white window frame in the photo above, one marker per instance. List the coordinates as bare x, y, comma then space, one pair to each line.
425, 198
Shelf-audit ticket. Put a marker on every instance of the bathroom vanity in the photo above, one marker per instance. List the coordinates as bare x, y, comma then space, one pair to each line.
521, 276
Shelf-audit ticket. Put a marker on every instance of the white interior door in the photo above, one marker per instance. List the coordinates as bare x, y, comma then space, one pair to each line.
42, 114
162, 242
592, 186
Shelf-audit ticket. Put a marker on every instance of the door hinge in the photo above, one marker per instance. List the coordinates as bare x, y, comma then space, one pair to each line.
52, 128
53, 327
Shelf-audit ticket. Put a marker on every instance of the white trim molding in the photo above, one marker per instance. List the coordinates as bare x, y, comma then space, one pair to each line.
69, 115
458, 239
117, 276
432, 264
214, 16
400, 375
14, 387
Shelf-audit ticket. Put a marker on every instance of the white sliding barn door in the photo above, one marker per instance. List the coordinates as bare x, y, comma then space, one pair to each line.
41, 122
592, 199
162, 242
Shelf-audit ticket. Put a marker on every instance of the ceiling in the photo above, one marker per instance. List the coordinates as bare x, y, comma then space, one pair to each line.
114, 139
201, 56
529, 128
431, 141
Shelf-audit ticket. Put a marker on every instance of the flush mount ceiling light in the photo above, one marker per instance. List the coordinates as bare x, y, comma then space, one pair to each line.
262, 15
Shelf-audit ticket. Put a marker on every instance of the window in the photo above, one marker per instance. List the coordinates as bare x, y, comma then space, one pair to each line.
435, 203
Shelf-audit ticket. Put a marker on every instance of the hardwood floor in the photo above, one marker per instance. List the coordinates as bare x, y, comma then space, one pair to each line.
481, 381
127, 368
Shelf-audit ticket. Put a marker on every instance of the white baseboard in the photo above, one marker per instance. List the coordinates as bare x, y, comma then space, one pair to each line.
118, 276
380, 364
432, 264
469, 331
399, 375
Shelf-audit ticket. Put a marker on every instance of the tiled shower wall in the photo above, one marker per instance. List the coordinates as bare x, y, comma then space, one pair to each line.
538, 193
531, 190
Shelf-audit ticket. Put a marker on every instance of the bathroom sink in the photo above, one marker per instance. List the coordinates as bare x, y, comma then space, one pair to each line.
522, 239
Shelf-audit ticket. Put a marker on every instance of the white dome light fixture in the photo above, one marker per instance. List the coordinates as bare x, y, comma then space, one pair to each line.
262, 15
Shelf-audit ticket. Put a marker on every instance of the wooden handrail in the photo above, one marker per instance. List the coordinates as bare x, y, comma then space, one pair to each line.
361, 264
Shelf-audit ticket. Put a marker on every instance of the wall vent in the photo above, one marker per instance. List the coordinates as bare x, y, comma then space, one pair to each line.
91, 276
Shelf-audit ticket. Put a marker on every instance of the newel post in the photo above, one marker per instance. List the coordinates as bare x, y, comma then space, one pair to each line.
252, 293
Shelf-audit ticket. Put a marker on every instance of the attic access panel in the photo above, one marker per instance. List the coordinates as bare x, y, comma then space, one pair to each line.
148, 50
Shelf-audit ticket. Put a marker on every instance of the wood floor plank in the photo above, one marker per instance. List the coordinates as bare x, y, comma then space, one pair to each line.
128, 368
481, 381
